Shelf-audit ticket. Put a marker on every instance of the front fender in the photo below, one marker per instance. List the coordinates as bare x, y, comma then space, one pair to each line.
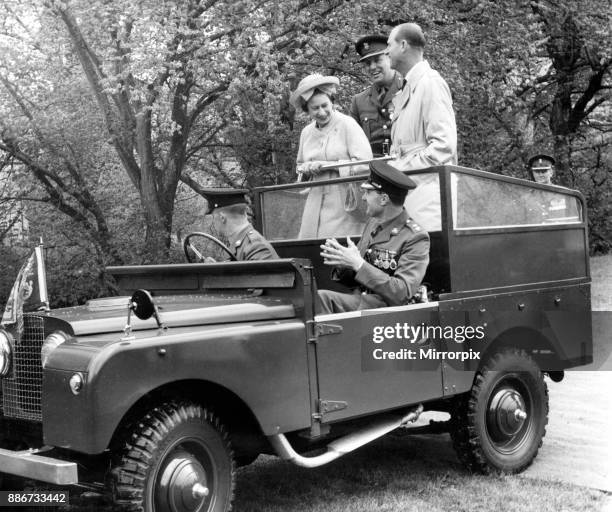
264, 364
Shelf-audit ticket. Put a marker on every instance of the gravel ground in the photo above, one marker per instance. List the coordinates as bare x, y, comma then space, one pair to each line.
575, 448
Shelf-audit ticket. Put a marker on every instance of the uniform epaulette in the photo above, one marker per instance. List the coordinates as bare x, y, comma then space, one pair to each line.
246, 235
413, 226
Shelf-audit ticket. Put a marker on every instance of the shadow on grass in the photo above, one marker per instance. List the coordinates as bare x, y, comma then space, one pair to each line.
407, 464
411, 473
407, 474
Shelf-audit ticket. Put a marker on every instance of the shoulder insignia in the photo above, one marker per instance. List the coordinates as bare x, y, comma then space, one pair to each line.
413, 225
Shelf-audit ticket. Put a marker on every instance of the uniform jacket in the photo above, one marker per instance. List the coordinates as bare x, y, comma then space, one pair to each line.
249, 244
399, 243
424, 132
374, 115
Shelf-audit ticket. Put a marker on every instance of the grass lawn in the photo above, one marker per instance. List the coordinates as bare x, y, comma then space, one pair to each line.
411, 473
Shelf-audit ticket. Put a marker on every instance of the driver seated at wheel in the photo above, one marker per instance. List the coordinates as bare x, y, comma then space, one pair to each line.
228, 208
389, 263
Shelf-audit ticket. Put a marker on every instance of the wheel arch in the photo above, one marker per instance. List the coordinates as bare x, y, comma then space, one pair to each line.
534, 343
243, 427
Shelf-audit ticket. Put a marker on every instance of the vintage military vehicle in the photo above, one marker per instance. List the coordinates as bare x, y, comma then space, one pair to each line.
160, 393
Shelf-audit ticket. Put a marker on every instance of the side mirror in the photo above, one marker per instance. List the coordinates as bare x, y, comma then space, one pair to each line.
144, 307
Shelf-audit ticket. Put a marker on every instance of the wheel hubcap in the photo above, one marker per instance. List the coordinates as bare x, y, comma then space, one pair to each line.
506, 414
183, 485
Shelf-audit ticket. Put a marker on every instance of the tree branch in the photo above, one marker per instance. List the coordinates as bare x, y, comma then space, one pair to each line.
94, 74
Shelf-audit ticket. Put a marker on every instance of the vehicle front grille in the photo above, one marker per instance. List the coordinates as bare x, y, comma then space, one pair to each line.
21, 392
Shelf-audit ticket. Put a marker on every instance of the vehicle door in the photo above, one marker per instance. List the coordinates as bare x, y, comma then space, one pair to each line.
376, 360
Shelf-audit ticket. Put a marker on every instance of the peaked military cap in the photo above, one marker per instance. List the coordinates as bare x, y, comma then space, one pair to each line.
220, 197
369, 46
386, 178
541, 162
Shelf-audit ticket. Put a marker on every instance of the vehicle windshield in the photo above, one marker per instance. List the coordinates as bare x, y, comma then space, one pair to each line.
335, 208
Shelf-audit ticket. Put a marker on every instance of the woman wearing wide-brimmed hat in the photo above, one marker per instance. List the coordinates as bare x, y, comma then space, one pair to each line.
332, 137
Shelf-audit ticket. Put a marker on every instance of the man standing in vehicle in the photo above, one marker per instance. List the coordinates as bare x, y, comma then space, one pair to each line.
388, 265
424, 132
372, 108
228, 208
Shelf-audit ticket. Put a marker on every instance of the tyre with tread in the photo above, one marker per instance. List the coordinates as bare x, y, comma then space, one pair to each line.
177, 458
498, 426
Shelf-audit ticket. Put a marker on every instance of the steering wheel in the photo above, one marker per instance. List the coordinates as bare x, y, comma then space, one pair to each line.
208, 244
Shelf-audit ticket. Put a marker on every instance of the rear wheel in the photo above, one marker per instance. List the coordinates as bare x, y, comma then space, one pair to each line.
499, 425
178, 458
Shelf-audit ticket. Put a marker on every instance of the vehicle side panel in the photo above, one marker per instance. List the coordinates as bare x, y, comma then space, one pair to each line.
268, 372
501, 258
558, 318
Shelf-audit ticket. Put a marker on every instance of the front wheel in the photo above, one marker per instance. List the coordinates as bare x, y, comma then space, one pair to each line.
499, 425
178, 458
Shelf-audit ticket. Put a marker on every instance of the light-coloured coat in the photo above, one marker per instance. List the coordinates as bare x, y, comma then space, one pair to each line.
424, 132
326, 213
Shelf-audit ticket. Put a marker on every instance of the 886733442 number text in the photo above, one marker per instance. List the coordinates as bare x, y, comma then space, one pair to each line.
30, 498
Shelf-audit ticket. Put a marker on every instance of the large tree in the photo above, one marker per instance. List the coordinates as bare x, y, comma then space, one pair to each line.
165, 77
198, 91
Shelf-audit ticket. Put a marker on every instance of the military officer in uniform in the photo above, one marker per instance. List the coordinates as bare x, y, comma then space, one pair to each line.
372, 108
541, 168
388, 265
229, 215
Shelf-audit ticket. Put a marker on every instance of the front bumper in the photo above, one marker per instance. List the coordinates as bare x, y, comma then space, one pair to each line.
28, 464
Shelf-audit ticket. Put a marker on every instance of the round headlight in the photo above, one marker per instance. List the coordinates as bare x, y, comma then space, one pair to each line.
6, 350
54, 340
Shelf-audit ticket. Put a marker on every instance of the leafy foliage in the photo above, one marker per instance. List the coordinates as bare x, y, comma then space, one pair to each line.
114, 115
